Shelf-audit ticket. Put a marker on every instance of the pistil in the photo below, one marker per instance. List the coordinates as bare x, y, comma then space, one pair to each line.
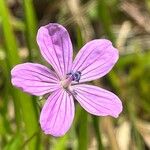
66, 82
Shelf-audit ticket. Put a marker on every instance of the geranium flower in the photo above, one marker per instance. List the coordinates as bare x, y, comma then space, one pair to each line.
67, 82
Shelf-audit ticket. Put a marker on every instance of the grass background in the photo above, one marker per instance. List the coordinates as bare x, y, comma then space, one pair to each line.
127, 24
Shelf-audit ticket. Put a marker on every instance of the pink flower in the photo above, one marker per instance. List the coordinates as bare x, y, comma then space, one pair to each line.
66, 83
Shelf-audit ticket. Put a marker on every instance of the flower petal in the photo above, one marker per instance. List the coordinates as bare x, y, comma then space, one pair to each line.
34, 78
95, 59
58, 113
56, 47
97, 101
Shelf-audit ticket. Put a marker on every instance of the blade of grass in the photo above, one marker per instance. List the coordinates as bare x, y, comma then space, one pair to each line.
30, 32
30, 35
31, 27
136, 135
4, 93
14, 143
83, 131
105, 18
82, 123
80, 41
21, 101
11, 50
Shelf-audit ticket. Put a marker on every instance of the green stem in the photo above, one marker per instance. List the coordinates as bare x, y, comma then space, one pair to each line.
83, 131
97, 132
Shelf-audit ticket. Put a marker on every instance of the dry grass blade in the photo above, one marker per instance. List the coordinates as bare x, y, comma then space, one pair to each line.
79, 18
133, 10
124, 135
144, 129
108, 128
123, 35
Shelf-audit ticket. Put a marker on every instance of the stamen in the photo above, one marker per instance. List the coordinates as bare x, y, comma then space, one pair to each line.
69, 78
76, 76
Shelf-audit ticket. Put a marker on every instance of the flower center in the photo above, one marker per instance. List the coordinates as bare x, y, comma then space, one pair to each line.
72, 76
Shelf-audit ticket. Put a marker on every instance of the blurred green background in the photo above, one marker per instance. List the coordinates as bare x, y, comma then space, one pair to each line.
127, 24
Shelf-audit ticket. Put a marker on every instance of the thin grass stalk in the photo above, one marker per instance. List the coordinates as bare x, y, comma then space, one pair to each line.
83, 131
106, 22
30, 22
31, 27
5, 93
105, 18
136, 134
97, 133
83, 115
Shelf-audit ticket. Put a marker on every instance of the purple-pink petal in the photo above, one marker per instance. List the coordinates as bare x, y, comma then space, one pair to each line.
34, 79
95, 59
58, 113
56, 47
97, 101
